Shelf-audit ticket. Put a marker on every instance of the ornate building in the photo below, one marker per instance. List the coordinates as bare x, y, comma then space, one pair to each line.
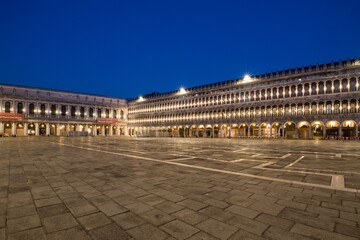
319, 101
32, 111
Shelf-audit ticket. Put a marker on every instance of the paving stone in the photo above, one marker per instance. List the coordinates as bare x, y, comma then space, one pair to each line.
352, 231
42, 192
128, 220
94, 221
275, 221
59, 222
47, 202
350, 216
267, 207
22, 211
217, 213
248, 225
152, 199
109, 232
125, 199
292, 204
169, 207
202, 236
20, 199
23, 223
52, 210
111, 209
100, 200
192, 204
242, 211
179, 229
2, 233
218, 229
2, 221
338, 207
244, 235
318, 233
217, 203
189, 216
306, 218
157, 217
274, 233
147, 232
139, 207
32, 234
323, 211
79, 207
72, 233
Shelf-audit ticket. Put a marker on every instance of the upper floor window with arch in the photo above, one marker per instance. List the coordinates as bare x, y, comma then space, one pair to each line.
20, 107
7, 107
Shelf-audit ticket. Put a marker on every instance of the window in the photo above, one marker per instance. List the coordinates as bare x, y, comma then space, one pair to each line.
91, 112
73, 111
53, 110
19, 108
114, 113
82, 112
99, 113
63, 110
31, 108
7, 107
42, 109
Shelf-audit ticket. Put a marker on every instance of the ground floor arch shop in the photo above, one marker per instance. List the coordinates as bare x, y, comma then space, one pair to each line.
289, 129
42, 128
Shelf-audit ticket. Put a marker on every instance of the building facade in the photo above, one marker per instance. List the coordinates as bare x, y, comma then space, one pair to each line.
319, 101
28, 111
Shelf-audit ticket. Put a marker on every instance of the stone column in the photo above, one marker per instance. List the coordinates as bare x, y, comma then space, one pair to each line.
47, 129
340, 131
25, 129
111, 130
324, 131
310, 132
259, 131
126, 129
271, 132
13, 128
103, 130
249, 131
94, 130
213, 132
118, 131
1, 127
356, 130
57, 129
37, 133
67, 127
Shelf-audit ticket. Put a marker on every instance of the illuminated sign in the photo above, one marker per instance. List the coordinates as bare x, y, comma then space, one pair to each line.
11, 116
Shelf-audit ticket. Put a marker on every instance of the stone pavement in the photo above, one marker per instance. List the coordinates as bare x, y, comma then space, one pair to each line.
127, 188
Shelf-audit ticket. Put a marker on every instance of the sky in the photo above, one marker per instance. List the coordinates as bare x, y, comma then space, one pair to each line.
130, 48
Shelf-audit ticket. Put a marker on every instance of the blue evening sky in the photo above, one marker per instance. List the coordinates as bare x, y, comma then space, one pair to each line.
130, 48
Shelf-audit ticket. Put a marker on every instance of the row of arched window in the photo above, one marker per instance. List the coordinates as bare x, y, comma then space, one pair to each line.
64, 110
308, 108
291, 91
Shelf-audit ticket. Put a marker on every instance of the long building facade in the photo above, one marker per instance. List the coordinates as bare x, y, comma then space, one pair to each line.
27, 111
319, 101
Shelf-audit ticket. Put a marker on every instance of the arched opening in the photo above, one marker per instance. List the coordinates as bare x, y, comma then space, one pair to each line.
254, 130
208, 131
201, 131
31, 129
20, 129
234, 131
181, 131
265, 130
290, 130
317, 130
224, 131
216, 130
243, 130
53, 129
20, 107
276, 131
7, 128
42, 129
193, 131
348, 129
62, 130
304, 130
332, 129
